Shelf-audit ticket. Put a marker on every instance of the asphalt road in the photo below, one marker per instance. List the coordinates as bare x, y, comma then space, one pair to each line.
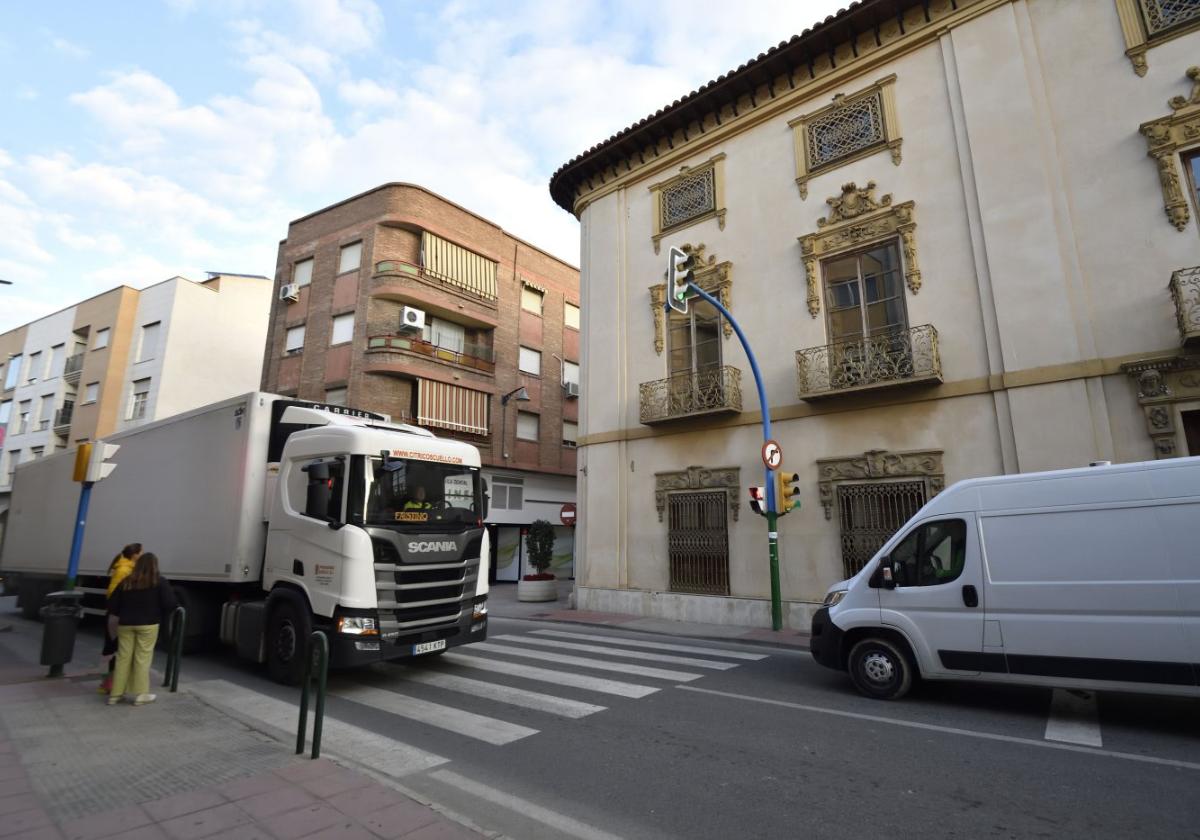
725, 747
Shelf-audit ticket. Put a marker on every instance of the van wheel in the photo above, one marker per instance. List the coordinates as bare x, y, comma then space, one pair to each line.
880, 669
288, 630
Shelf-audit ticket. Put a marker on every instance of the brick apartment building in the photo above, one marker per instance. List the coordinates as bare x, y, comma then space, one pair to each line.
401, 302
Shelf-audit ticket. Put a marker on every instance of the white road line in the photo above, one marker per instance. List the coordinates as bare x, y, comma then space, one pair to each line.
487, 729
950, 730
584, 662
382, 754
621, 640
614, 651
537, 701
1074, 719
523, 807
620, 689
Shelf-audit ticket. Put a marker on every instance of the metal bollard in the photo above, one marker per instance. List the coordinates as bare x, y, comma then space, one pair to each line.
176, 626
318, 644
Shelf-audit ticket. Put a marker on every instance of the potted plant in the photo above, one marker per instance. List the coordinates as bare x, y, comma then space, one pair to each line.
541, 585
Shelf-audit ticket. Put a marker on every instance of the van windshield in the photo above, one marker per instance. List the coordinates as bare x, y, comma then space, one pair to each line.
403, 491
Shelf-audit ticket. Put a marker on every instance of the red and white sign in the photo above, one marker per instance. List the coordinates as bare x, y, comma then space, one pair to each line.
567, 514
772, 454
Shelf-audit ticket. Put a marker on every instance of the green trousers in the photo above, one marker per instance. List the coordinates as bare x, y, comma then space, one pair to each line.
135, 652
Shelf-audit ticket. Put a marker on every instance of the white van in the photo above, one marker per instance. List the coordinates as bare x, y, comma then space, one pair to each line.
1084, 578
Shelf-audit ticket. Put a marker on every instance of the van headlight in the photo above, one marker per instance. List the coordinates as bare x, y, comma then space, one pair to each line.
354, 625
834, 598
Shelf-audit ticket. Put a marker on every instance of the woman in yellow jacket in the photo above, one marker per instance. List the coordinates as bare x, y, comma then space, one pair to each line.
118, 570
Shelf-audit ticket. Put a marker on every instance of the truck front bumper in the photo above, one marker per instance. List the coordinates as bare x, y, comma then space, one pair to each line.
351, 651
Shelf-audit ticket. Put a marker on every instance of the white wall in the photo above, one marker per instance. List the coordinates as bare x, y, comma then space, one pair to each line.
155, 303
41, 335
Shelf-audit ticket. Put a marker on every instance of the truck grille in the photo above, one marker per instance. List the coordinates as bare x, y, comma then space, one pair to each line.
415, 597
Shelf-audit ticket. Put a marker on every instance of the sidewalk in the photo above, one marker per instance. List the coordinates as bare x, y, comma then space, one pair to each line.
503, 603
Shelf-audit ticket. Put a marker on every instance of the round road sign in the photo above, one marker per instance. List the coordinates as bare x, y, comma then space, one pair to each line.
772, 454
567, 513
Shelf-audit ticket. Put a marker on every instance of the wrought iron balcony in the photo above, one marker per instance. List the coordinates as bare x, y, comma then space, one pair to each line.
716, 390
475, 356
73, 366
1185, 291
62, 417
904, 357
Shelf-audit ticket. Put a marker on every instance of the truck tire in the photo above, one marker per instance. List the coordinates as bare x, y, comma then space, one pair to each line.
288, 629
880, 669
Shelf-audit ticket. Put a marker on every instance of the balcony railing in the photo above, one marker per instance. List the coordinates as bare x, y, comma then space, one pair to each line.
62, 417
386, 268
73, 366
475, 356
904, 357
711, 391
1185, 291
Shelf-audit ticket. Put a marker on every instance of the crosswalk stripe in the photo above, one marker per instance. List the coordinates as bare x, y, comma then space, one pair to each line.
498, 693
613, 651
582, 661
483, 728
529, 672
385, 755
596, 637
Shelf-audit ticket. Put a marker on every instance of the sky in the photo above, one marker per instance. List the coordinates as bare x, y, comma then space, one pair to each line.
151, 138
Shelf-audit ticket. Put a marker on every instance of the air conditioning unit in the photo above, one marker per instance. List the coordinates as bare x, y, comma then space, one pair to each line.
289, 292
412, 320
571, 390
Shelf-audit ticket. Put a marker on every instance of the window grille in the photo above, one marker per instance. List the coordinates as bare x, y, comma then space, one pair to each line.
1161, 15
688, 198
870, 513
698, 543
846, 130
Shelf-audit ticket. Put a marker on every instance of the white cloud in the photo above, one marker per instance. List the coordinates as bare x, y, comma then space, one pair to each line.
68, 48
27, 93
367, 94
340, 25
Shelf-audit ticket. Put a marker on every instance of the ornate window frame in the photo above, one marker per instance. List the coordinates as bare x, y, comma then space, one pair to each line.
856, 218
699, 478
714, 277
877, 464
1166, 138
1164, 384
1138, 37
884, 94
715, 165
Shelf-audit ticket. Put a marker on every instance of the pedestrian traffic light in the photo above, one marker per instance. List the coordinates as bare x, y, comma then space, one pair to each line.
758, 500
97, 466
787, 494
680, 272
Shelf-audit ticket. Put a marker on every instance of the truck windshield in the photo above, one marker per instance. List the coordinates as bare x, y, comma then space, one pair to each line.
421, 493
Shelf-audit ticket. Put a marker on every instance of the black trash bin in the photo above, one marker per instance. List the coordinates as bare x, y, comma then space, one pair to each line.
60, 615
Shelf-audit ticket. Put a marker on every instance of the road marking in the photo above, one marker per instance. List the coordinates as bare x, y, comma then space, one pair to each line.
584, 662
523, 807
504, 694
950, 730
1074, 718
628, 654
382, 754
483, 728
596, 637
529, 672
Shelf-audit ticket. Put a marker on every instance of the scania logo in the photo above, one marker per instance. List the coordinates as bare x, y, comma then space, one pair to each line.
419, 546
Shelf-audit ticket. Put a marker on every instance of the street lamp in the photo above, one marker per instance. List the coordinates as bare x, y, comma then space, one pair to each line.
520, 395
5, 282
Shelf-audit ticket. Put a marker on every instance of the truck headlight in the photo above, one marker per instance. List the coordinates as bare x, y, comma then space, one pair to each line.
834, 598
480, 612
355, 625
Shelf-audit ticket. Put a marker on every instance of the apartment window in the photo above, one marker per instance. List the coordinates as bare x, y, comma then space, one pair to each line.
865, 292
137, 403
335, 396
14, 372
46, 411
101, 340
527, 425
570, 372
445, 334
36, 452
58, 358
349, 257
5, 412
571, 316
295, 339
530, 361
531, 300
14, 458
302, 272
570, 433
91, 392
148, 343
695, 339
343, 329
35, 367
507, 493
23, 417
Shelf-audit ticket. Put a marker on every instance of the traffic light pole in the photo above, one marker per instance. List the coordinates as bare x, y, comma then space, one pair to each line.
769, 482
85, 496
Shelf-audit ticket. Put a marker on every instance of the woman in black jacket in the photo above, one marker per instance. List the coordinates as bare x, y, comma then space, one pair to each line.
137, 607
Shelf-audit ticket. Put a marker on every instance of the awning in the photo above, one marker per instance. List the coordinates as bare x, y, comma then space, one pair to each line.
451, 407
455, 264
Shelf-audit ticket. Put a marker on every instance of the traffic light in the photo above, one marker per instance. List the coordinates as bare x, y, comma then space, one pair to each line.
97, 466
787, 494
82, 455
680, 272
758, 500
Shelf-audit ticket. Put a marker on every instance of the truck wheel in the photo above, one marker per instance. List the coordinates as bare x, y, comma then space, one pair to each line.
880, 669
288, 630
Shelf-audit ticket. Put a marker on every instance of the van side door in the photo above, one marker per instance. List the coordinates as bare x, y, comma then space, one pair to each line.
937, 601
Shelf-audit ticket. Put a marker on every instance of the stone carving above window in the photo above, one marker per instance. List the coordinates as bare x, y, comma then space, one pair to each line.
1162, 383
699, 478
850, 128
714, 277
879, 464
856, 218
1147, 23
1166, 136
695, 194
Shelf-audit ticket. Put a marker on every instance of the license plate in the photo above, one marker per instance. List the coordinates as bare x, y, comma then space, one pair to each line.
429, 647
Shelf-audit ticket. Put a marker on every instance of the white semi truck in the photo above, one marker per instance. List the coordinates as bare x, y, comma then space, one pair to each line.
273, 517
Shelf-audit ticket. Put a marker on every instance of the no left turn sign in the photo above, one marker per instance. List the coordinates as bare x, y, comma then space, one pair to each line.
772, 454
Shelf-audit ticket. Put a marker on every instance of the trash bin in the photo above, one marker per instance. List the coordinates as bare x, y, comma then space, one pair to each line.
60, 615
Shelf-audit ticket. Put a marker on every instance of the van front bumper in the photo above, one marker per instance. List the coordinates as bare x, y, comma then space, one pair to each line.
826, 642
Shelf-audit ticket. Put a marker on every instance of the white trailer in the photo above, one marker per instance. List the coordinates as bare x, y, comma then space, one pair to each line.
274, 517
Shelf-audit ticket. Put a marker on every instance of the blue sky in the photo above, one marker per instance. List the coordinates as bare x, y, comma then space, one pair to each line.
146, 139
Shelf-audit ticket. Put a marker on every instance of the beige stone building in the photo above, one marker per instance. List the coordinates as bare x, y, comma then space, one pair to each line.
962, 236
